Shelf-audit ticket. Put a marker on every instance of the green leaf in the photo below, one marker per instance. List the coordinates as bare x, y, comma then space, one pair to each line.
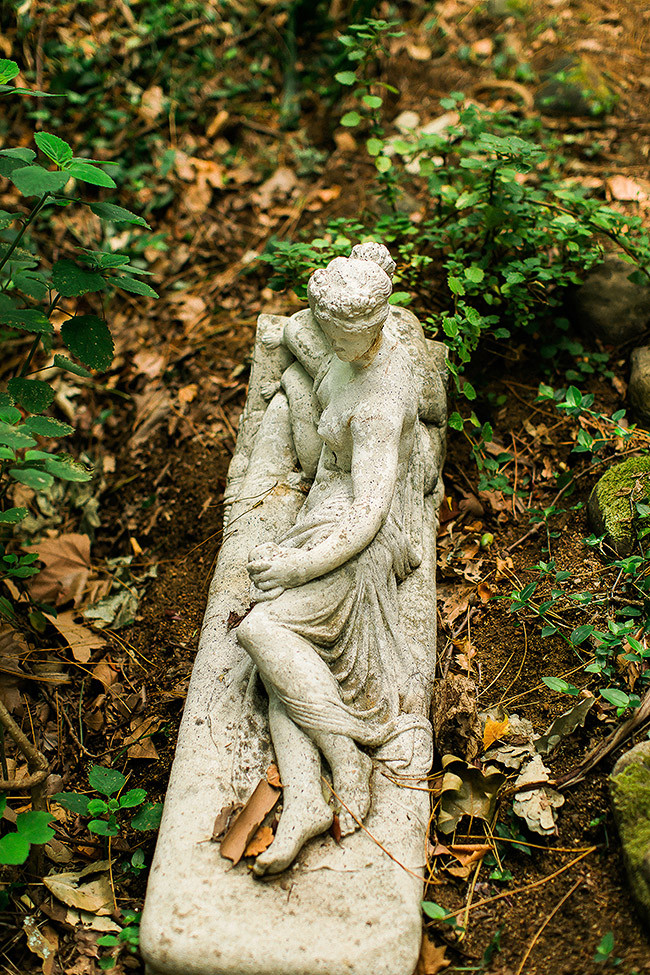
346, 77
88, 173
89, 339
557, 684
96, 807
474, 274
8, 70
618, 698
400, 298
63, 362
103, 828
12, 516
127, 283
14, 437
149, 817
580, 634
374, 146
9, 414
19, 153
35, 826
108, 781
73, 280
33, 394
134, 797
456, 286
350, 119
47, 426
372, 101
110, 211
36, 480
108, 941
57, 150
27, 319
383, 164
456, 421
36, 181
73, 801
66, 468
14, 849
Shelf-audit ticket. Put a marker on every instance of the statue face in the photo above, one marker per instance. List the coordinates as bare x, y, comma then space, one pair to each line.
349, 345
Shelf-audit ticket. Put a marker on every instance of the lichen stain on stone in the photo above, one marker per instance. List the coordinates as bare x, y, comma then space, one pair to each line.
611, 505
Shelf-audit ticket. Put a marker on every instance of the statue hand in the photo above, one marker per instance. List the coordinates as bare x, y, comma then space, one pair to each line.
271, 568
273, 336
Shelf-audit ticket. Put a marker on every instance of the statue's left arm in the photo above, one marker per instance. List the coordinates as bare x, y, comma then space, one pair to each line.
374, 471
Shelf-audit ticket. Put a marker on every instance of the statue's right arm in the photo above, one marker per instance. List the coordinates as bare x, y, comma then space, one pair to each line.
304, 338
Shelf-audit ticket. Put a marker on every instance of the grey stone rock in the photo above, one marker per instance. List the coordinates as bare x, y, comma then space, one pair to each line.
609, 306
629, 786
638, 390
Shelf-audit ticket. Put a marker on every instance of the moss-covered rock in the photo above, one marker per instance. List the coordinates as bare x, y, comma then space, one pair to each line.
575, 86
629, 787
612, 505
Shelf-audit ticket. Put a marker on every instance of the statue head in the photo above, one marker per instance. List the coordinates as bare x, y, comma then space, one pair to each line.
349, 300
378, 253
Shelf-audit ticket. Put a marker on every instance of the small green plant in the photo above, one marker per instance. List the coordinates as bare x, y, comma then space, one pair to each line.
605, 951
32, 829
107, 816
128, 939
30, 292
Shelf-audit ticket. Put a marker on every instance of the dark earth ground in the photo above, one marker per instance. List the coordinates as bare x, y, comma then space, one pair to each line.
183, 367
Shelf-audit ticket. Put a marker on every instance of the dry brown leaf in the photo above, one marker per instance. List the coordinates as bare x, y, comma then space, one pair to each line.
67, 566
152, 103
484, 592
504, 568
149, 364
94, 896
42, 941
13, 651
188, 393
493, 731
432, 958
81, 639
260, 842
139, 741
223, 820
623, 188
278, 187
252, 816
105, 673
273, 776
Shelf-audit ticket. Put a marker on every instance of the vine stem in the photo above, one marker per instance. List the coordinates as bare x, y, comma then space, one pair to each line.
30, 219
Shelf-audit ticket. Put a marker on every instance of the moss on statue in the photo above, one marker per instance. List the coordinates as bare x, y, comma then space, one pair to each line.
612, 505
630, 792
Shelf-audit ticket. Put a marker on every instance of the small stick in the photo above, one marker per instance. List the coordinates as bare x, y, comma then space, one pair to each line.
526, 887
541, 928
418, 876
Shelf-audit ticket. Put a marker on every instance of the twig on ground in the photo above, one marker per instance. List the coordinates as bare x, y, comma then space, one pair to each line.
543, 925
596, 755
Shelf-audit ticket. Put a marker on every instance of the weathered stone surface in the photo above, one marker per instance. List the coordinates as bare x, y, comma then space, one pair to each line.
630, 792
612, 504
609, 306
638, 391
348, 908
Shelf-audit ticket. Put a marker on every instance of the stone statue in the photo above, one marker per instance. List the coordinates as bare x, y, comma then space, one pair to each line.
317, 651
324, 632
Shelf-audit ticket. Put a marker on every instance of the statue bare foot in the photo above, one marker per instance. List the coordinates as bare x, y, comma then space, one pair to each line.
298, 823
352, 787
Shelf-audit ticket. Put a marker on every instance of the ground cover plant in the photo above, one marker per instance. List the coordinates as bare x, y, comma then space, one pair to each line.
249, 143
